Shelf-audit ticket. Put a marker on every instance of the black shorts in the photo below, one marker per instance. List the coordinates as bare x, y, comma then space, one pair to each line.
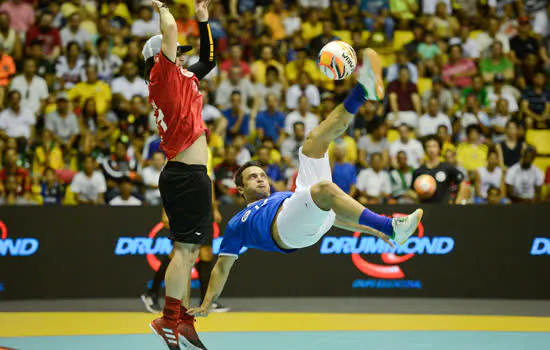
186, 192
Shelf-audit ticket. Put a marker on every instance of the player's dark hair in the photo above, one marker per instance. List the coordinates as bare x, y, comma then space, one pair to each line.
149, 63
239, 174
433, 138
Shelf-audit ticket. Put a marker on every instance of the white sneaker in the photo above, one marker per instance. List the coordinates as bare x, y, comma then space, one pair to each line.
405, 226
370, 76
216, 307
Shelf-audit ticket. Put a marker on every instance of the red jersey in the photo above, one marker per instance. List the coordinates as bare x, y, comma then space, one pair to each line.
175, 97
21, 177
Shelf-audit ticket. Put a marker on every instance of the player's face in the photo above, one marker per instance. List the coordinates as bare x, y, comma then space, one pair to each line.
180, 60
255, 184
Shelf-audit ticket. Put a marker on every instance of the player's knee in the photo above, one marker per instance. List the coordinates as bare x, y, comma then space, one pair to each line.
323, 194
186, 252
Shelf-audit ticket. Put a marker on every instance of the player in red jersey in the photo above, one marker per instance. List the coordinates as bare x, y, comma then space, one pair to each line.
184, 184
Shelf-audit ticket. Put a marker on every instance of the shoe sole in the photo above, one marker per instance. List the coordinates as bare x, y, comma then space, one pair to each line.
376, 67
162, 339
187, 345
420, 214
147, 306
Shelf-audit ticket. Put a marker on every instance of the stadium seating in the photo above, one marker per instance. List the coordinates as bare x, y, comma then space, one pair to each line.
540, 139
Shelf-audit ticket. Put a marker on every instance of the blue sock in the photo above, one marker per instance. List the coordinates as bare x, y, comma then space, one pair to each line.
356, 98
377, 222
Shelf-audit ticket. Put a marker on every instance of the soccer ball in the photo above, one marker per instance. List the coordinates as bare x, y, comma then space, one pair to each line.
337, 60
425, 186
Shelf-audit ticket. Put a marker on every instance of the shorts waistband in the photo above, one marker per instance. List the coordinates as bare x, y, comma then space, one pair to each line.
184, 166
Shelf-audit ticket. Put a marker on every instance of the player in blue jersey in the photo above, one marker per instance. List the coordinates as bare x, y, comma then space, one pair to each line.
285, 221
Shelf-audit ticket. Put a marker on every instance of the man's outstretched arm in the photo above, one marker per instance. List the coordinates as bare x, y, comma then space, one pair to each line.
169, 30
206, 56
219, 275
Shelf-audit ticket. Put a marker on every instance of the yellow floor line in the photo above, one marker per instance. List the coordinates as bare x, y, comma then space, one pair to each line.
22, 324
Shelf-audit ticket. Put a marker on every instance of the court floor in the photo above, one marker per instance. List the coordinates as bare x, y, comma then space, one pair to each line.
319, 329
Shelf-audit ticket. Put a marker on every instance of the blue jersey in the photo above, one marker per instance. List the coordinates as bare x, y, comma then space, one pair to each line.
251, 227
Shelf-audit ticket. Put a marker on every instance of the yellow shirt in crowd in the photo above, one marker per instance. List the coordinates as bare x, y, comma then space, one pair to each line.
100, 91
54, 161
472, 157
258, 69
310, 31
275, 23
351, 149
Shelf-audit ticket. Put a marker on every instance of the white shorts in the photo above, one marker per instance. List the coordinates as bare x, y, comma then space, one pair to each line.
301, 223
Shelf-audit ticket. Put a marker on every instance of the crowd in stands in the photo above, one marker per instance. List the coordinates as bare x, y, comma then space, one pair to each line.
76, 126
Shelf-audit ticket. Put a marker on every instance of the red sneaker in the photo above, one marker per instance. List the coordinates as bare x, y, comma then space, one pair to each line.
168, 332
188, 336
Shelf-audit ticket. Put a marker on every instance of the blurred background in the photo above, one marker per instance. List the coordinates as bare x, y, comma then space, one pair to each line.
76, 127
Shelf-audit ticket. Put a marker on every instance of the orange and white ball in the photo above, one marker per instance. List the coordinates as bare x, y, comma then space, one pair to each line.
337, 60
425, 186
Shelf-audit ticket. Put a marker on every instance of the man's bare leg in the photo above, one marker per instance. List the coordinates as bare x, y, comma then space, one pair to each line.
178, 275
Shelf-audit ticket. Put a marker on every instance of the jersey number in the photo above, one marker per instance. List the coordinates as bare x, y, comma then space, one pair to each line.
160, 118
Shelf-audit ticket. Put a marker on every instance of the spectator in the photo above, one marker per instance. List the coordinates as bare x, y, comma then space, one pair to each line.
404, 100
510, 149
535, 103
312, 27
446, 175
411, 146
10, 41
273, 20
446, 139
486, 40
125, 198
11, 196
496, 63
226, 189
93, 88
377, 13
237, 118
302, 65
528, 69
343, 173
324, 38
490, 176
7, 69
259, 67
458, 72
51, 191
478, 91
433, 119
272, 170
272, 120
47, 154
349, 146
498, 121
402, 61
135, 120
69, 67
292, 21
373, 184
411, 48
524, 180
443, 96
500, 92
471, 114
44, 31
107, 64
236, 59
21, 15
375, 142
429, 51
472, 154
44, 68
429, 6
401, 180
17, 121
212, 115
303, 88
273, 86
314, 4
117, 167
236, 82
538, 10
366, 119
146, 26
469, 45
243, 154
187, 26
404, 11
73, 32
442, 23
33, 89
524, 43
129, 85
291, 145
303, 115
19, 179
